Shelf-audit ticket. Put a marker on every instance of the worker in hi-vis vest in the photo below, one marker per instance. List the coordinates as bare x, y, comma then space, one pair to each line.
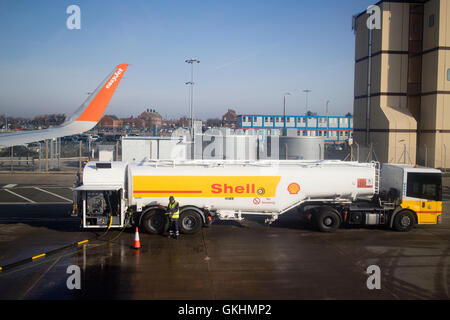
173, 210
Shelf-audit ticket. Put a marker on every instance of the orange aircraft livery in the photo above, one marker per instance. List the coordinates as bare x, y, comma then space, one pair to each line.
98, 105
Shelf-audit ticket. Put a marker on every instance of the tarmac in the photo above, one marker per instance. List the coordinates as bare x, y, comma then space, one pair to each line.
229, 260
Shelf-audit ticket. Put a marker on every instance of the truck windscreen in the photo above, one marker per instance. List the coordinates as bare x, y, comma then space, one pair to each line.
424, 186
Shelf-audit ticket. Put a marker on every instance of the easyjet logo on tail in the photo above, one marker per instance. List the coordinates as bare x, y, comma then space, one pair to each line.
114, 78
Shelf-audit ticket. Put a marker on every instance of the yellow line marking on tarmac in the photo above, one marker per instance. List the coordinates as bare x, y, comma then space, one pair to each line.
38, 256
29, 266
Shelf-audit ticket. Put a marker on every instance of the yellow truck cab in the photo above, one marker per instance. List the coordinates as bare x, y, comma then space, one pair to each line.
417, 192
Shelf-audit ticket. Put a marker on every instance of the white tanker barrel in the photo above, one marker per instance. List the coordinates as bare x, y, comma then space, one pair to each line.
301, 148
254, 187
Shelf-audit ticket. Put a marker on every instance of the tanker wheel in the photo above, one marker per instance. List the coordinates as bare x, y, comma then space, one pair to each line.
327, 220
190, 222
404, 221
155, 222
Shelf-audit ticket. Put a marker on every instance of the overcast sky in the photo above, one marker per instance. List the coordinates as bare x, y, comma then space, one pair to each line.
250, 52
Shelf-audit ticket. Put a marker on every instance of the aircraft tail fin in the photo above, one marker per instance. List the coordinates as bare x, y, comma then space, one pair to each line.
93, 108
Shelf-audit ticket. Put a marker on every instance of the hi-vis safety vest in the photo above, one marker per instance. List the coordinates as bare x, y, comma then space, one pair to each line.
176, 214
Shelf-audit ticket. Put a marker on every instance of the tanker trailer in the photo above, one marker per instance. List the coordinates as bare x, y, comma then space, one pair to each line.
329, 193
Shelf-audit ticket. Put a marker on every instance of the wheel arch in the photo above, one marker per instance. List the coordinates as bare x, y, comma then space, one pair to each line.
319, 206
147, 209
196, 209
400, 209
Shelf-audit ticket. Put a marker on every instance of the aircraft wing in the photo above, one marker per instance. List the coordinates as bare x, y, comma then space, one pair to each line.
84, 118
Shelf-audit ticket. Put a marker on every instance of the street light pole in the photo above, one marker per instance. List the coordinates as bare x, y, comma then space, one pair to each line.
284, 111
307, 91
328, 101
191, 83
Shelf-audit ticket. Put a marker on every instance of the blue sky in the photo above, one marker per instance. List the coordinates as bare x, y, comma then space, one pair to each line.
251, 53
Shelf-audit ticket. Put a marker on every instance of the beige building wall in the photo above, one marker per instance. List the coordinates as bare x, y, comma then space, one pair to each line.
434, 128
392, 126
410, 92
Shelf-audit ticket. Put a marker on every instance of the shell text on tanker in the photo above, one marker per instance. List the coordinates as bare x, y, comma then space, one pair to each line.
229, 189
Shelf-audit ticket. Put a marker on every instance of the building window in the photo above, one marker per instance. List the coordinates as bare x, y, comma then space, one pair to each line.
288, 119
431, 21
448, 74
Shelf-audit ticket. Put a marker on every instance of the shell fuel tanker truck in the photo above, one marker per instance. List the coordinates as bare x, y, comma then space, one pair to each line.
328, 193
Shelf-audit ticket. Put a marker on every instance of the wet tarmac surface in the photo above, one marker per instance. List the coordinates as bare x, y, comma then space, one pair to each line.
229, 260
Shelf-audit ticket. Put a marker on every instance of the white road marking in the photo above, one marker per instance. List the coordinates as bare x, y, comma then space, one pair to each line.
53, 194
18, 195
12, 185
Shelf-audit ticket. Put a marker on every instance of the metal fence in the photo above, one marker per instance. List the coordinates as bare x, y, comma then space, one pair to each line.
53, 155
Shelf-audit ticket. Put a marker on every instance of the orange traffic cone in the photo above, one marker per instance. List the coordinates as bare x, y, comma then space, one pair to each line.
137, 242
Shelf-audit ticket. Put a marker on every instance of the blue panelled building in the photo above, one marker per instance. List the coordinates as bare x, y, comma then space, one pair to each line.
333, 128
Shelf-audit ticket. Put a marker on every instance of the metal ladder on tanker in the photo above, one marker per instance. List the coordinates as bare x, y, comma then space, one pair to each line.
377, 177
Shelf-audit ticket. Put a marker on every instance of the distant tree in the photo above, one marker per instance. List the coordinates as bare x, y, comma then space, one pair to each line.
216, 122
311, 114
349, 114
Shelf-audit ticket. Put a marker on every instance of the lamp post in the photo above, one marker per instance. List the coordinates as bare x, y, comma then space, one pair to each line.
284, 111
191, 83
307, 91
328, 101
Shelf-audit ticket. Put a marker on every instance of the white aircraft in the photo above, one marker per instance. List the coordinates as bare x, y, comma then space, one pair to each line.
84, 119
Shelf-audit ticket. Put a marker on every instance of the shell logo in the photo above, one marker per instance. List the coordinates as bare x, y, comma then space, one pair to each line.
294, 188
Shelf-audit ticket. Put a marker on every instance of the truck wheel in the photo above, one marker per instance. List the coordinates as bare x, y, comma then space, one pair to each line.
404, 221
327, 220
190, 222
155, 222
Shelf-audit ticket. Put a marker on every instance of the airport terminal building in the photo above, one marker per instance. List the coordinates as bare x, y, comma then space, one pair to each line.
402, 81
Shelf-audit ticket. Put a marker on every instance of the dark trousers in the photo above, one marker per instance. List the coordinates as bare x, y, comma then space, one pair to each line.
173, 227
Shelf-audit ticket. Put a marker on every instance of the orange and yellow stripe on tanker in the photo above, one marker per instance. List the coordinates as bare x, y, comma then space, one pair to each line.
205, 186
